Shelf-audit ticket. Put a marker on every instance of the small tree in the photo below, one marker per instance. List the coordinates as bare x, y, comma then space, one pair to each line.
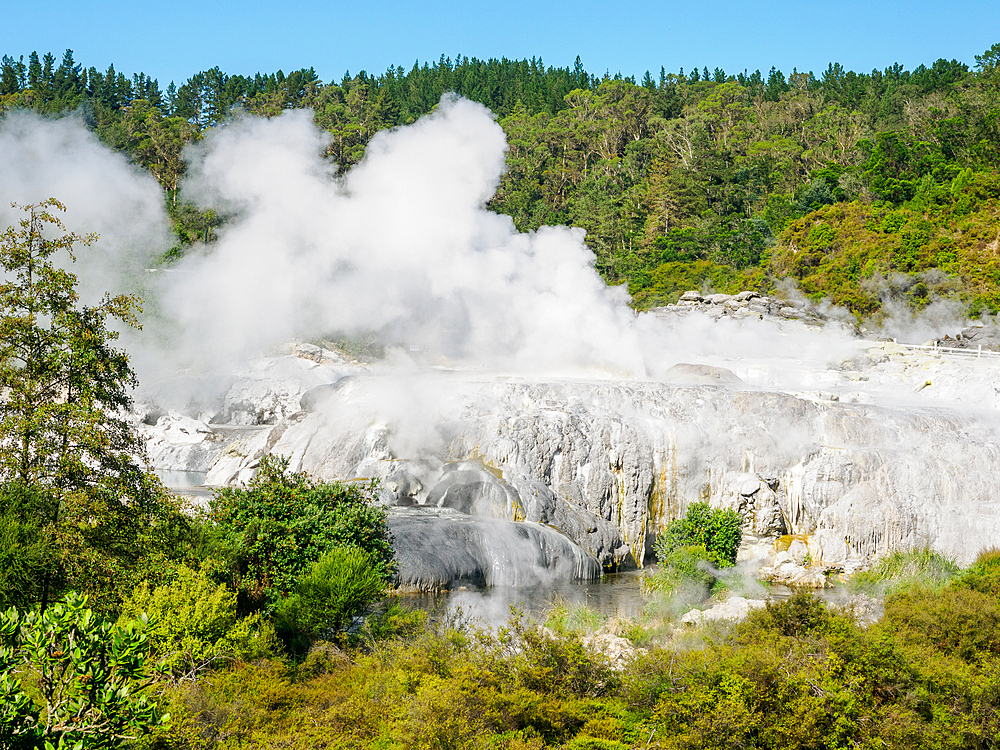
64, 388
341, 585
717, 531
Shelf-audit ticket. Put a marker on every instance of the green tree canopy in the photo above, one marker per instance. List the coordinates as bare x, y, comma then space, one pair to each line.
68, 450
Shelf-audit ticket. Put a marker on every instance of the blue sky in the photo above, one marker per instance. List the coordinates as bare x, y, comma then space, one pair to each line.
173, 40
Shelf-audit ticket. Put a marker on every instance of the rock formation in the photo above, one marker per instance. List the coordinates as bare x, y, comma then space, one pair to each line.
609, 463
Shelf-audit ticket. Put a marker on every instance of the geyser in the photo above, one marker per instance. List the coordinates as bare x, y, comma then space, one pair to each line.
555, 389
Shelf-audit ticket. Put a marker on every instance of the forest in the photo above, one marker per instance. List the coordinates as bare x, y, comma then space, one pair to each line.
266, 618
860, 187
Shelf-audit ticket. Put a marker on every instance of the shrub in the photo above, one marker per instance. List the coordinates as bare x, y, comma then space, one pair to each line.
194, 624
283, 522
958, 621
718, 532
87, 675
339, 586
983, 575
684, 572
26, 557
799, 615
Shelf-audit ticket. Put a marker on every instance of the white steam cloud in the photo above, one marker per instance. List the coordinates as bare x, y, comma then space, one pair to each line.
42, 158
403, 244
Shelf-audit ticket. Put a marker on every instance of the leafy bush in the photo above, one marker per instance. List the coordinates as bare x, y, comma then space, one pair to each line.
799, 615
283, 522
902, 570
339, 586
718, 532
956, 620
86, 673
194, 624
26, 554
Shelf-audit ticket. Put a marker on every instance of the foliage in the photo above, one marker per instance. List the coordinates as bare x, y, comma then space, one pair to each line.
567, 617
685, 574
718, 532
86, 673
901, 570
341, 585
282, 522
194, 624
26, 552
983, 575
796, 674
69, 454
665, 175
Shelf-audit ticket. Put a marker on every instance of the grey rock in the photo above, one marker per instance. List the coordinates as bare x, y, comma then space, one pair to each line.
439, 548
695, 374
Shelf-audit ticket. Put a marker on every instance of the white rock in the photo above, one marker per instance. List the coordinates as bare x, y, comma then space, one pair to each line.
735, 608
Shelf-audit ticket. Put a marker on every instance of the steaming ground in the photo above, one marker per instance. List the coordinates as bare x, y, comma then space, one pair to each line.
402, 246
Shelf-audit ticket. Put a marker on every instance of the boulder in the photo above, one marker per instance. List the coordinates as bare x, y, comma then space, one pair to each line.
735, 608
437, 548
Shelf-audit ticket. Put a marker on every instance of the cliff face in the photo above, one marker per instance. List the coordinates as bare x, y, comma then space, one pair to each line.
609, 463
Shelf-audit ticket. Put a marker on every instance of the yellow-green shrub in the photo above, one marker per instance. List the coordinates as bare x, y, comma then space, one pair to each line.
194, 624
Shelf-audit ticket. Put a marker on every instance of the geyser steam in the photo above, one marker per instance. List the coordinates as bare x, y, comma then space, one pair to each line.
403, 244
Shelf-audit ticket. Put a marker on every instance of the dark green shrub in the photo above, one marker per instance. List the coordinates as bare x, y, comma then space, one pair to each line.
273, 530
718, 532
339, 586
799, 615
26, 553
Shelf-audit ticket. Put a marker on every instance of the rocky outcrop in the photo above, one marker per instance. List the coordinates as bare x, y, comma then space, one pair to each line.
609, 463
437, 548
746, 304
733, 609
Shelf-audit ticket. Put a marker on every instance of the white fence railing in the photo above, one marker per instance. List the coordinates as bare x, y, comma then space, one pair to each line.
952, 351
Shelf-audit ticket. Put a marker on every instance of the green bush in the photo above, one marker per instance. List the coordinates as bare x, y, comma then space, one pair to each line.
87, 678
983, 575
339, 586
957, 621
684, 572
273, 530
718, 532
26, 554
194, 624
799, 615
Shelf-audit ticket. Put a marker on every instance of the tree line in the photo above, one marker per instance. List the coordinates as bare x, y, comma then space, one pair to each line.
699, 179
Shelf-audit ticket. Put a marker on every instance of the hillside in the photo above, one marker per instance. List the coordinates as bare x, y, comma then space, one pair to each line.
860, 186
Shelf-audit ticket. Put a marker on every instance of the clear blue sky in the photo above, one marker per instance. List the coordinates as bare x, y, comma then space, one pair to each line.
173, 40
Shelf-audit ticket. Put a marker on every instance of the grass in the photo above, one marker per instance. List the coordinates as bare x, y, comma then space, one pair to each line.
922, 568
